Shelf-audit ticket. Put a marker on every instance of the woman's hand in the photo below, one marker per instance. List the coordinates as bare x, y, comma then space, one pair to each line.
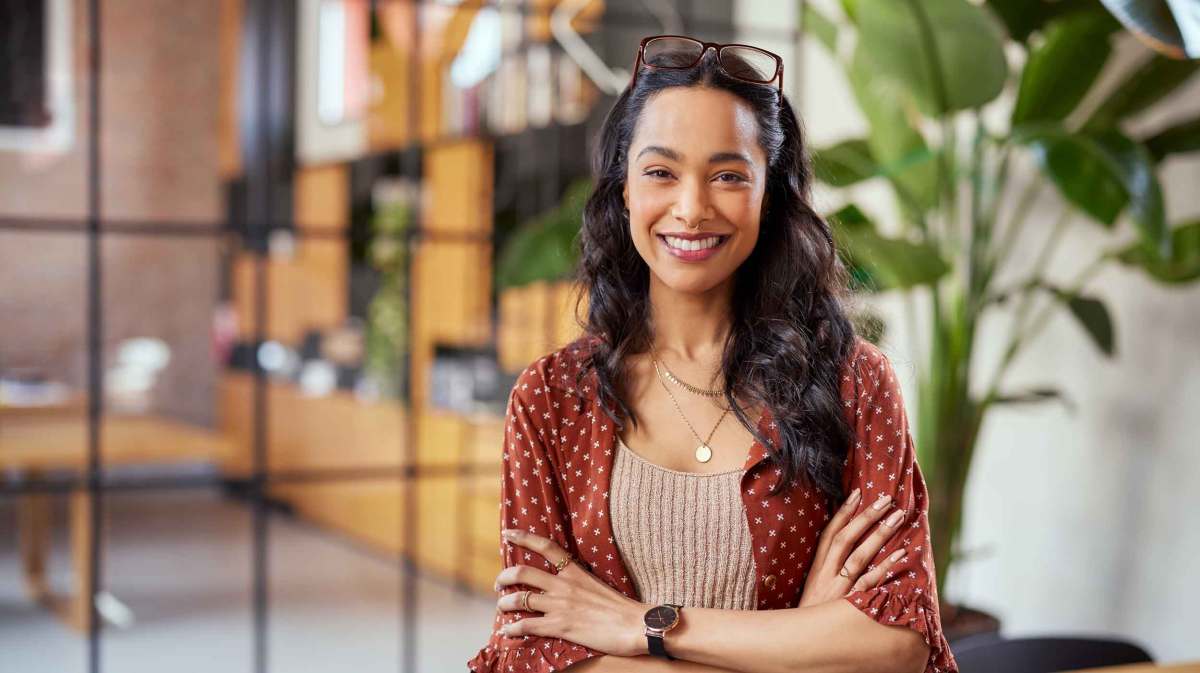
837, 571
575, 605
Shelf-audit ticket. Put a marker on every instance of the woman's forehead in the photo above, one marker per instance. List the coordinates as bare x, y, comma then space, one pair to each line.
697, 122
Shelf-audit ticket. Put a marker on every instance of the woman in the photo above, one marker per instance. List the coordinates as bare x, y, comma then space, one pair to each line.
637, 526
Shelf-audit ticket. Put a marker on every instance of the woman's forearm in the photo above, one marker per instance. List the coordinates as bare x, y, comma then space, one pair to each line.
832, 637
611, 663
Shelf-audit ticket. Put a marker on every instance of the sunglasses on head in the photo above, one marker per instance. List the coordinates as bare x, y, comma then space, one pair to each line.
740, 61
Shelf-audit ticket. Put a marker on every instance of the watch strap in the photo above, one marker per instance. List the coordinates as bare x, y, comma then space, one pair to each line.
656, 646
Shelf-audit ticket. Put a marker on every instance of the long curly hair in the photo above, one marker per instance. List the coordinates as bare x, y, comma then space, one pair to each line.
791, 334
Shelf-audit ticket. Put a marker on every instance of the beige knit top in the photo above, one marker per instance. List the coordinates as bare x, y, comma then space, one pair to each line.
683, 536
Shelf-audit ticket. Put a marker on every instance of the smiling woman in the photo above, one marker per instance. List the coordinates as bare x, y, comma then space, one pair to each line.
642, 525
692, 205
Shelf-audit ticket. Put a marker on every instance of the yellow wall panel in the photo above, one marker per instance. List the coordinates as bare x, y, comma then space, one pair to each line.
371, 512
452, 290
322, 197
459, 187
441, 438
323, 276
438, 525
388, 123
482, 572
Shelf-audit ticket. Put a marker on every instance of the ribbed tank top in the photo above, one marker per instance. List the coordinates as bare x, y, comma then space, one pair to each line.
683, 536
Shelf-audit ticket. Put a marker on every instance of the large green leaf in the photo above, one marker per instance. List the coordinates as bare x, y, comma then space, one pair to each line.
1183, 266
1079, 167
1155, 24
544, 249
532, 254
1023, 17
948, 53
893, 139
1101, 172
1145, 86
845, 163
1183, 137
1035, 396
849, 218
888, 263
1063, 67
850, 7
819, 25
1092, 315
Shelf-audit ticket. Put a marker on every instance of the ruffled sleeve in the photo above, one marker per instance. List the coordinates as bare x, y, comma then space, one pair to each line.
883, 461
530, 499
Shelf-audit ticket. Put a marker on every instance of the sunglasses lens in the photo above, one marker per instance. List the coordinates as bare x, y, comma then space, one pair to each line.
672, 52
748, 63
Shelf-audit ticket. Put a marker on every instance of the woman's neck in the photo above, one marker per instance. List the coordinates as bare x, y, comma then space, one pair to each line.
689, 329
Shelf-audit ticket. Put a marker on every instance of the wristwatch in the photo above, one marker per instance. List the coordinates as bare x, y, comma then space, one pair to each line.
658, 620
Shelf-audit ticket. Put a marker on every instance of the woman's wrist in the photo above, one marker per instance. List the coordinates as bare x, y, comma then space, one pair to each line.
638, 645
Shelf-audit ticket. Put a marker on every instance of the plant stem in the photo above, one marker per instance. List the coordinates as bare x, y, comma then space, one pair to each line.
1027, 198
910, 315
997, 187
938, 77
1017, 336
973, 260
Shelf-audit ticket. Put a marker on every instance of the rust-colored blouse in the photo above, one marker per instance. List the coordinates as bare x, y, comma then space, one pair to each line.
558, 457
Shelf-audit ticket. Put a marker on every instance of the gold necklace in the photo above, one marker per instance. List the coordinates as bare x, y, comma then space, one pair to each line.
704, 451
687, 386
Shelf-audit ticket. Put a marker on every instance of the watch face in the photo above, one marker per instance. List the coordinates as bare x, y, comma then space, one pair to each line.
661, 617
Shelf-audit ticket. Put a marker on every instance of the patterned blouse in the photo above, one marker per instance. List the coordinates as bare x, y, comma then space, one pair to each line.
557, 461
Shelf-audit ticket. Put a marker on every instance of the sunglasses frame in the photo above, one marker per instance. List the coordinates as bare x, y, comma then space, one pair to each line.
704, 46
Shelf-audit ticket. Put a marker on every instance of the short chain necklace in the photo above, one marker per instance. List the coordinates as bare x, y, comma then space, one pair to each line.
687, 386
704, 451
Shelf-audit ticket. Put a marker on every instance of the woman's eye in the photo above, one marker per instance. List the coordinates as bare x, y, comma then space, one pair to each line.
658, 173
730, 177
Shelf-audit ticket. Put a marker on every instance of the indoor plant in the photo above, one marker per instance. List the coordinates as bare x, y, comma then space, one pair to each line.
924, 72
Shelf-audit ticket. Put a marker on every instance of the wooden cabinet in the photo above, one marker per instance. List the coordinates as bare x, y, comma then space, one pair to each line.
358, 449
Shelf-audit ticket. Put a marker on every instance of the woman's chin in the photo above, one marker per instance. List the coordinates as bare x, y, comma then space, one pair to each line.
691, 281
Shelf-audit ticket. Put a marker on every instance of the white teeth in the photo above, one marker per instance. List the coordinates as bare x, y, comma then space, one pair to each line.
684, 244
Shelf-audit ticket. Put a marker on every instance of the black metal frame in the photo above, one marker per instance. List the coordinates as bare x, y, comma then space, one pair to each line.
264, 203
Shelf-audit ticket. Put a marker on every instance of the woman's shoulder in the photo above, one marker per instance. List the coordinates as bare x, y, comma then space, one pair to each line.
863, 371
556, 373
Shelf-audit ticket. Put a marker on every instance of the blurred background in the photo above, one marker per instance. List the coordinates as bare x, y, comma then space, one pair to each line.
269, 268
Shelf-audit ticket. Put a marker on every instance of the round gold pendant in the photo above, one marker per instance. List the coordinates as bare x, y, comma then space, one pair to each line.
703, 453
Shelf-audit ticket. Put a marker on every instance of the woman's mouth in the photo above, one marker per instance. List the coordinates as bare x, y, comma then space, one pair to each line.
692, 251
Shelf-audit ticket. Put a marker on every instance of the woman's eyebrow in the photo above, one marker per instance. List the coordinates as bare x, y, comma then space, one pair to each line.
676, 156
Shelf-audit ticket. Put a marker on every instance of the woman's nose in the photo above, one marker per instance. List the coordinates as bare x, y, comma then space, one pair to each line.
692, 207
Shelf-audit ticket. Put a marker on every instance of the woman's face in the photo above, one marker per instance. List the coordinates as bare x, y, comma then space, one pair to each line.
695, 172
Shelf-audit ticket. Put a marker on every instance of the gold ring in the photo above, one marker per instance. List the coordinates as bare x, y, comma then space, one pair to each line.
562, 563
525, 601
844, 573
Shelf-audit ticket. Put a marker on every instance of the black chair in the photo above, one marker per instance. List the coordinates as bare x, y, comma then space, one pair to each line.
991, 653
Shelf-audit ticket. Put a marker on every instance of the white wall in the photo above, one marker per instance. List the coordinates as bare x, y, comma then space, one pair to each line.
1082, 521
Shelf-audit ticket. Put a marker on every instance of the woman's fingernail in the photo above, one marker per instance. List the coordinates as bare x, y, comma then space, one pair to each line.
853, 499
882, 502
508, 533
896, 555
895, 517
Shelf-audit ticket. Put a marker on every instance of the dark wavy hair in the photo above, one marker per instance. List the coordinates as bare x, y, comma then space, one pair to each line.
791, 334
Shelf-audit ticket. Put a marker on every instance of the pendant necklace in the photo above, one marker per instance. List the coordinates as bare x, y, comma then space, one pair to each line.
703, 451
